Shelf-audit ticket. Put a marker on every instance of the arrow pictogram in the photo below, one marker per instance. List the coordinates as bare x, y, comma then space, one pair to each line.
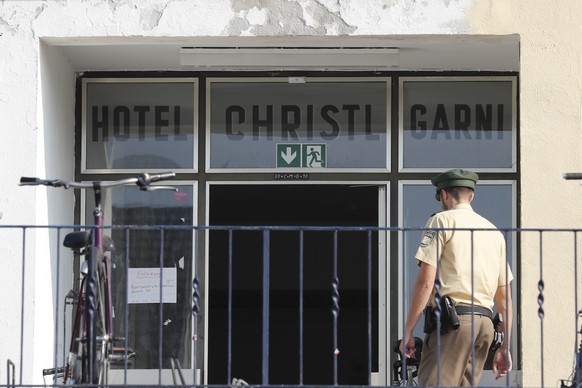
289, 155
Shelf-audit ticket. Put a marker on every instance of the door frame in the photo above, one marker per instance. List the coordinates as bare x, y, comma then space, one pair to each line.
382, 376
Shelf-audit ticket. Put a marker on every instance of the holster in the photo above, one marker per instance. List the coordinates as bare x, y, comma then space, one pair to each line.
429, 320
498, 335
449, 318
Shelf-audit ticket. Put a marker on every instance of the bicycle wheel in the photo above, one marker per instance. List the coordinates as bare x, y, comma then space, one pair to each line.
101, 327
410, 376
95, 372
73, 370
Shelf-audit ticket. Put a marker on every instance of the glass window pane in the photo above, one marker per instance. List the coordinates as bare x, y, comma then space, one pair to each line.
493, 201
279, 124
130, 206
447, 124
139, 125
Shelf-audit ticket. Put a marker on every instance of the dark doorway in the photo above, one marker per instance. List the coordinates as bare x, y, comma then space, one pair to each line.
235, 316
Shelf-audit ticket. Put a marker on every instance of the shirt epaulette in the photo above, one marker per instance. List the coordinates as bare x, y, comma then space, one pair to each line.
435, 213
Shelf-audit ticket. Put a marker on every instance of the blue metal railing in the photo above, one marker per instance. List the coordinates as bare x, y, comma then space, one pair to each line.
342, 290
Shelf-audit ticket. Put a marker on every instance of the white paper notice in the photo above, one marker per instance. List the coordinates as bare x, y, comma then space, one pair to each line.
144, 285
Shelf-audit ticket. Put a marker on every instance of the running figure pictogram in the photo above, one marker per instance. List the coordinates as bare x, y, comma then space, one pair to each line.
315, 156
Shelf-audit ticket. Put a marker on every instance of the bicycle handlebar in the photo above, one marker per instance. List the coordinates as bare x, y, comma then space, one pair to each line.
144, 181
572, 175
53, 371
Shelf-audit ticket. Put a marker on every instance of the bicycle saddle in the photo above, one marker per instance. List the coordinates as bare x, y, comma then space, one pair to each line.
79, 240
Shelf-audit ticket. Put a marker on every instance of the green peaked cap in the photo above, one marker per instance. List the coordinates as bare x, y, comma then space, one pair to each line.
454, 178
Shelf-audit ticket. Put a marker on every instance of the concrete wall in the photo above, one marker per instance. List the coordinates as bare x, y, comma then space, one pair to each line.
37, 113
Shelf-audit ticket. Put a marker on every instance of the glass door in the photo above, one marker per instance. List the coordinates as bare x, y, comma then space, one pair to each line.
157, 324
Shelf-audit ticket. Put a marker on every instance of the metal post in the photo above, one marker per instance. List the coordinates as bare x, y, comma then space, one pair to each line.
265, 371
335, 309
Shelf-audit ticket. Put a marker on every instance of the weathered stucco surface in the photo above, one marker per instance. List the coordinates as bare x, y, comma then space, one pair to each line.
233, 17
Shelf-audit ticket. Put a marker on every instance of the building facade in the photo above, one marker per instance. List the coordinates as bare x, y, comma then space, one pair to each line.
279, 112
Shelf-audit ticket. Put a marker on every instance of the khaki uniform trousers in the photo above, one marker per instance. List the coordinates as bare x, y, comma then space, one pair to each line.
456, 360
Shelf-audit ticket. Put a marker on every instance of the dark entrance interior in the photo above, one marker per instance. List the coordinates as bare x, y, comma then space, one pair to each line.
235, 315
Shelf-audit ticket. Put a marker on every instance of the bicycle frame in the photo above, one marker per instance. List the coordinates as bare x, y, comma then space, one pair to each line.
87, 302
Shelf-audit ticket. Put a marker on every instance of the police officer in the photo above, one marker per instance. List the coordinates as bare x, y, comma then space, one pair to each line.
472, 271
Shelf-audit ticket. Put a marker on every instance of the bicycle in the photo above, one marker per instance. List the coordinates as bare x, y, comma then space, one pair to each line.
91, 347
405, 377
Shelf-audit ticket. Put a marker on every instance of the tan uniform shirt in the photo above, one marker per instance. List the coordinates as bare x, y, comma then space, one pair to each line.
460, 251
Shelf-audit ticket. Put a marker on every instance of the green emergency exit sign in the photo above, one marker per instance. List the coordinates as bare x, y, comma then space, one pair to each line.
288, 155
294, 155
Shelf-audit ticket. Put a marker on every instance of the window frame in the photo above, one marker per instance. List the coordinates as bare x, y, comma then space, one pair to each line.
133, 80
307, 79
394, 175
456, 78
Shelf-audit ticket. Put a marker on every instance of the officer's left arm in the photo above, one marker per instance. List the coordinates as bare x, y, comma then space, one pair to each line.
502, 362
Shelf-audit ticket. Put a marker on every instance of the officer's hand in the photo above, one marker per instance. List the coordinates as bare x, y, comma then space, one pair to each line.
502, 363
408, 349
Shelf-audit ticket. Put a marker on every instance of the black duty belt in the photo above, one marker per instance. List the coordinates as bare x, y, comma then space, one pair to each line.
477, 310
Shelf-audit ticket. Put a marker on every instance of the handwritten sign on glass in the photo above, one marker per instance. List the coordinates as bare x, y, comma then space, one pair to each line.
144, 285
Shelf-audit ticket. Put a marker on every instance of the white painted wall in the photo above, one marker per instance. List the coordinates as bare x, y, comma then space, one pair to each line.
18, 110
53, 207
37, 121
551, 144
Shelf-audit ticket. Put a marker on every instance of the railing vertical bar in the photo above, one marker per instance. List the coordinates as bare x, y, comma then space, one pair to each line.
161, 320
90, 303
437, 310
126, 315
369, 307
576, 275
266, 286
229, 302
507, 312
577, 376
301, 317
541, 310
64, 347
404, 360
23, 287
108, 261
195, 307
92, 293
57, 305
335, 308
472, 308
